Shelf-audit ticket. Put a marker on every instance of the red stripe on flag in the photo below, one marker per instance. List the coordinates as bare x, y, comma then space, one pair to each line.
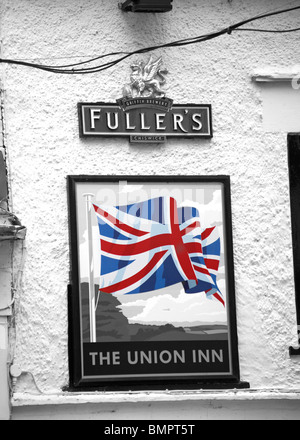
147, 245
135, 278
190, 228
202, 270
180, 249
118, 223
194, 248
207, 233
219, 298
211, 264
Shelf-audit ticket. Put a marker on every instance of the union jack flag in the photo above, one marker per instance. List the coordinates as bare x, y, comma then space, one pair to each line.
154, 244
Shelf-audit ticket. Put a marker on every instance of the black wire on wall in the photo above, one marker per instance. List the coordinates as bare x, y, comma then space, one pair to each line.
75, 69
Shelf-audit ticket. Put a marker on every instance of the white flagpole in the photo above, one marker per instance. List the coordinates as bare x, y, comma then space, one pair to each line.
92, 300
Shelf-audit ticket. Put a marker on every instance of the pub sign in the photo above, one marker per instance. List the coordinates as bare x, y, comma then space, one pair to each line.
144, 113
152, 287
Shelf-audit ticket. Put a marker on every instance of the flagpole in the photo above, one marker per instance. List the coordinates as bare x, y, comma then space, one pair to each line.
92, 301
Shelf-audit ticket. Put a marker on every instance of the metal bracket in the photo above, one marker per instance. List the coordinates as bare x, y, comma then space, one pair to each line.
11, 227
126, 6
146, 6
12, 232
294, 351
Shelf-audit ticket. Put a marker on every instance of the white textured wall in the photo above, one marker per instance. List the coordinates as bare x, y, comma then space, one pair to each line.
44, 147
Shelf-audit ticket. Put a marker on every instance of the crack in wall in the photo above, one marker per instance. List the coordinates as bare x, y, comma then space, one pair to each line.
4, 172
3, 157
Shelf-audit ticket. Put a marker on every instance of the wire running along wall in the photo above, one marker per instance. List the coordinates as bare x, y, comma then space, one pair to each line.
84, 67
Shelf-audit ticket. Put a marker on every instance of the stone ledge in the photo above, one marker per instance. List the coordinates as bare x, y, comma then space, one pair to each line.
276, 74
22, 400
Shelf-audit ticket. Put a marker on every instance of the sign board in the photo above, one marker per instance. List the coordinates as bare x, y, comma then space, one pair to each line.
152, 292
144, 113
142, 121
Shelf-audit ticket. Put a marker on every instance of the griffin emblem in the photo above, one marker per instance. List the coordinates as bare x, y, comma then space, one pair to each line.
146, 80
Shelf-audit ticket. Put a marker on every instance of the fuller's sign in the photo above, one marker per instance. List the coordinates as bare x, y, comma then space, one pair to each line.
143, 121
144, 113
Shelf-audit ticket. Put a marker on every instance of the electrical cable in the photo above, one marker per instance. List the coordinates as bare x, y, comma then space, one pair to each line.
271, 31
84, 67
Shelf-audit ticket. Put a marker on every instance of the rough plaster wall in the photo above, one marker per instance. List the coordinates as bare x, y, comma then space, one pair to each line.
44, 147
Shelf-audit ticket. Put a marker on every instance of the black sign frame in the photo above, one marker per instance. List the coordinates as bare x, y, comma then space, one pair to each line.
134, 380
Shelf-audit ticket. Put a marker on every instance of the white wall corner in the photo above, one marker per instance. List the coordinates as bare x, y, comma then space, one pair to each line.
280, 89
5, 409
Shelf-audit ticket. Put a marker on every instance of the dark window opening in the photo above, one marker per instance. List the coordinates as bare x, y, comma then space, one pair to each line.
294, 174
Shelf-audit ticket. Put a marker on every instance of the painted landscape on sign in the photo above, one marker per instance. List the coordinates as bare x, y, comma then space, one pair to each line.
114, 326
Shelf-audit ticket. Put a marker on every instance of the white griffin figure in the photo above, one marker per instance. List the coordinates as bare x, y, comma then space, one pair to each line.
146, 80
